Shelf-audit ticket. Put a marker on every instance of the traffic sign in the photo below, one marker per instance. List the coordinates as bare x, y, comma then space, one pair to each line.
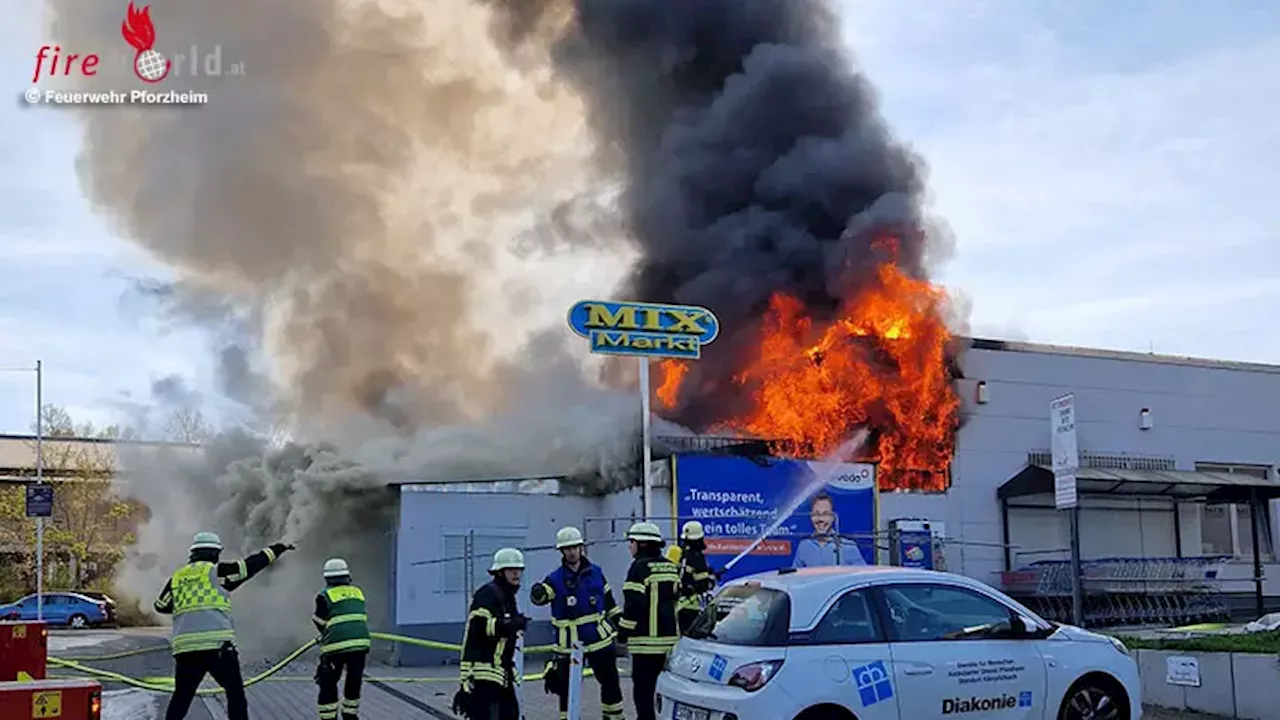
40, 501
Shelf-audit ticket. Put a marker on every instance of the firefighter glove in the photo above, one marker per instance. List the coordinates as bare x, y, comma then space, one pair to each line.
461, 702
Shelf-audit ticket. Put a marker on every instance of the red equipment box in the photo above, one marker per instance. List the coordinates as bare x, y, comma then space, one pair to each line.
24, 648
62, 699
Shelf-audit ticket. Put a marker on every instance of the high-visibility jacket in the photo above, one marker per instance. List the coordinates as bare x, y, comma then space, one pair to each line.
488, 646
342, 619
198, 597
648, 623
582, 606
696, 580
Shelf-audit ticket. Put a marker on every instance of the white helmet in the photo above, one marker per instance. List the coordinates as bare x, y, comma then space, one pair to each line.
692, 530
507, 558
568, 537
645, 532
206, 541
336, 568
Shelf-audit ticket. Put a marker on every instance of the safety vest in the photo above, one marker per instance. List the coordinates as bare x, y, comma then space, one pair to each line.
201, 609
582, 607
346, 628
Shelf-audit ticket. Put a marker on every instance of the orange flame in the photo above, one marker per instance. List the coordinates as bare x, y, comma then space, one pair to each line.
882, 363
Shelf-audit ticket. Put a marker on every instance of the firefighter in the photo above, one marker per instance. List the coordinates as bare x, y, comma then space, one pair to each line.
343, 622
198, 596
493, 627
696, 577
648, 624
583, 611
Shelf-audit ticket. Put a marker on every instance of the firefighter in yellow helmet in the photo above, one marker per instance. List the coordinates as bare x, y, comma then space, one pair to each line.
198, 596
583, 612
696, 578
343, 621
489, 642
648, 625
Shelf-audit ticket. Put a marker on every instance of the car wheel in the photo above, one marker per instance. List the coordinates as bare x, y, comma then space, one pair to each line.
1094, 699
79, 622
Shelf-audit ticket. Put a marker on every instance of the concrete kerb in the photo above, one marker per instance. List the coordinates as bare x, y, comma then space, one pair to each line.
1240, 685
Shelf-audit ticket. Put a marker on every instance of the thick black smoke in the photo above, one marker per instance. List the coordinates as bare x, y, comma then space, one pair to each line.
756, 162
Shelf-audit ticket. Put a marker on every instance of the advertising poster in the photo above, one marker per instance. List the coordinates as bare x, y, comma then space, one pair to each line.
739, 499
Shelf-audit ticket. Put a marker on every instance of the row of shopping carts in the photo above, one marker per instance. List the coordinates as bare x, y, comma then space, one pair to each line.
1124, 590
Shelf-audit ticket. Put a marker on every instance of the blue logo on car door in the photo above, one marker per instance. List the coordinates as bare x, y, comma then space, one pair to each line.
874, 683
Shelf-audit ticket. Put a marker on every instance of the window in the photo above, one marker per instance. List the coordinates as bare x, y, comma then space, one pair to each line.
926, 612
1224, 531
745, 615
484, 544
850, 620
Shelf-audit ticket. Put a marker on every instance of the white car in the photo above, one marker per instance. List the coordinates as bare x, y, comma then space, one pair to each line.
889, 643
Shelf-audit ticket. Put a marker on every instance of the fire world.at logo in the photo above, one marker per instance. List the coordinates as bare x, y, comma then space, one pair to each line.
138, 30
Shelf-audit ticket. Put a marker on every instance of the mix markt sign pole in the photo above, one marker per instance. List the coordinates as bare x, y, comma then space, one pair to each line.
39, 500
644, 331
1066, 462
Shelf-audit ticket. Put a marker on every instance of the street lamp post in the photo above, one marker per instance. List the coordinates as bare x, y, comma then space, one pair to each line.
39, 370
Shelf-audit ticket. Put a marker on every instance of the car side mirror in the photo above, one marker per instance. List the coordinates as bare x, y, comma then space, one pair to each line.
1024, 626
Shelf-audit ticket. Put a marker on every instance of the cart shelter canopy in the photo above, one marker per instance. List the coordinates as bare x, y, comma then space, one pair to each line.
1211, 487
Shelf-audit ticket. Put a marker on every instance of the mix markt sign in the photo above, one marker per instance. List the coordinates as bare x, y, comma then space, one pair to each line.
644, 329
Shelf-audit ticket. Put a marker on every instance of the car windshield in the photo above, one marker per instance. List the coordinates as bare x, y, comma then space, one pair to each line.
745, 615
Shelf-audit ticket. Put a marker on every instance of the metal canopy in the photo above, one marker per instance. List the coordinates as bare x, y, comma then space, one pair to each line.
1212, 487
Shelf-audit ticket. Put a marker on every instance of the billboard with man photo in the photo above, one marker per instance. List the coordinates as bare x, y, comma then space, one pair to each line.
830, 510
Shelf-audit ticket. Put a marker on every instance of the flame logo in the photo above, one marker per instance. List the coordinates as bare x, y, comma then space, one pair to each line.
149, 65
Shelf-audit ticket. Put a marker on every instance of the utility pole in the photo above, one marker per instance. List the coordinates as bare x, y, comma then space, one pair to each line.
39, 481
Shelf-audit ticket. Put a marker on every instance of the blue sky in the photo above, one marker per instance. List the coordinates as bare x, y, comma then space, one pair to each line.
1106, 166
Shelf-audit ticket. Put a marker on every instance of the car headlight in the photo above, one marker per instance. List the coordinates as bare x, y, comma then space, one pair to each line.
1119, 645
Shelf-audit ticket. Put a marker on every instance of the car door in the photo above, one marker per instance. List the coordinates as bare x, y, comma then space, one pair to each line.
955, 652
27, 608
845, 659
55, 609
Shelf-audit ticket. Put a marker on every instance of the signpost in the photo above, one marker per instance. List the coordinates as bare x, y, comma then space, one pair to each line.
39, 501
1066, 462
644, 331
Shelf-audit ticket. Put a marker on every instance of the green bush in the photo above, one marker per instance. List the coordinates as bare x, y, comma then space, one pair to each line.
1263, 642
132, 612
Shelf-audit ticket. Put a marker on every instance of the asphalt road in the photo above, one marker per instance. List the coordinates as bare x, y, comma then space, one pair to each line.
408, 693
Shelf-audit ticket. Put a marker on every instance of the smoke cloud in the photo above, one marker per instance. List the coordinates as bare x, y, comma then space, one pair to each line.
756, 162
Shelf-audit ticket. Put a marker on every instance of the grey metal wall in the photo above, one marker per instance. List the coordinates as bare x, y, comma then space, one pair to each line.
1200, 414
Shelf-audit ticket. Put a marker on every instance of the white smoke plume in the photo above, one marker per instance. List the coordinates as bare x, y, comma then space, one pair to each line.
341, 216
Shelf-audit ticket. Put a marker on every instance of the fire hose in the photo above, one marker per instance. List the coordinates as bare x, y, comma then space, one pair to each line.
165, 685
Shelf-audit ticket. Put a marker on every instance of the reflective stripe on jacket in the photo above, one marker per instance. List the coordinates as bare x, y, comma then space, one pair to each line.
648, 623
488, 652
201, 609
582, 606
342, 619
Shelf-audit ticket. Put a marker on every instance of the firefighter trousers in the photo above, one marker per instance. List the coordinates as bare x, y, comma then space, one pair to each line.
491, 701
604, 663
645, 669
329, 672
189, 670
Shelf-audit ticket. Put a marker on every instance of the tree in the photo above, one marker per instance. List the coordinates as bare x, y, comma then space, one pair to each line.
187, 425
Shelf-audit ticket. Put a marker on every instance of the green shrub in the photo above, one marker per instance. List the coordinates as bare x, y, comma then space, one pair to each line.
1263, 642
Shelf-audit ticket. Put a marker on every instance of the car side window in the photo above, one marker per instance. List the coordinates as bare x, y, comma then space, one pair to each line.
850, 620
928, 612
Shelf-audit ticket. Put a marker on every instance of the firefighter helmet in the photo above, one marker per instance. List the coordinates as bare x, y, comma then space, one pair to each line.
507, 558
645, 532
568, 537
692, 530
206, 541
335, 568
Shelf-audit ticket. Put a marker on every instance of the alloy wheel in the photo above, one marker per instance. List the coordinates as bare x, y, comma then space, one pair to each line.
1090, 702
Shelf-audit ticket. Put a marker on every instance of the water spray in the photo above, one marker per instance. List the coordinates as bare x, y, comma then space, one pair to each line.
850, 447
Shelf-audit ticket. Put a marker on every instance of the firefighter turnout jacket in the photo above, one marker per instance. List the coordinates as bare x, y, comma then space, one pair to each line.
648, 623
696, 580
582, 606
342, 619
489, 640
198, 596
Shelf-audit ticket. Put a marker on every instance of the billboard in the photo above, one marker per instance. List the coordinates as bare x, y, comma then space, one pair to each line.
738, 499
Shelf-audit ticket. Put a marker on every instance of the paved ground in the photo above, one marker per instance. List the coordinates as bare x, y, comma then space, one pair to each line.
403, 693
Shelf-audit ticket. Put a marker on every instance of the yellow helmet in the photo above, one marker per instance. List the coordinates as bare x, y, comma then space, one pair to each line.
692, 530
568, 537
645, 532
507, 558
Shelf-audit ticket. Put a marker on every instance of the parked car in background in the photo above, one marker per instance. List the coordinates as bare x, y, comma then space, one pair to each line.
70, 609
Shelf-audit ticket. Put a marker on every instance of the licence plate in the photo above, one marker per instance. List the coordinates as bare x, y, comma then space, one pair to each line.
686, 712
46, 704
